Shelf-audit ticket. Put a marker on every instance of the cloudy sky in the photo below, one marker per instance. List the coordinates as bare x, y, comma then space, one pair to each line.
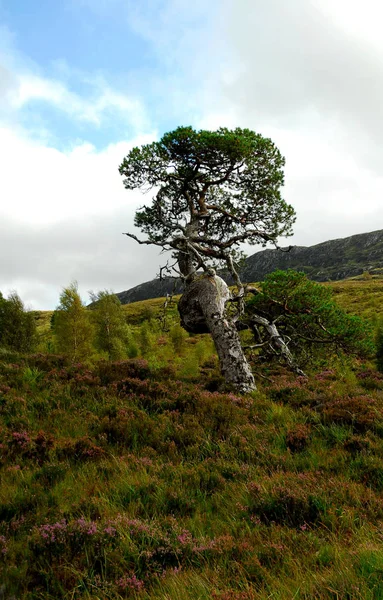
83, 81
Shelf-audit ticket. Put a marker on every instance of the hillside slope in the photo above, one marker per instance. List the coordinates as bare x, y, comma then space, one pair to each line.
143, 479
332, 260
124, 480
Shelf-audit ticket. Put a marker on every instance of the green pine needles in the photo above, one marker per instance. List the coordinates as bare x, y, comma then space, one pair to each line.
308, 317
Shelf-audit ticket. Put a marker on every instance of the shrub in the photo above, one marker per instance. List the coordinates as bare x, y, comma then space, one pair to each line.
80, 450
124, 369
111, 331
71, 325
298, 438
361, 412
47, 362
285, 505
17, 325
145, 338
379, 346
178, 337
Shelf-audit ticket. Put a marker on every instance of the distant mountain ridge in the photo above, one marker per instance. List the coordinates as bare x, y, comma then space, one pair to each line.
328, 261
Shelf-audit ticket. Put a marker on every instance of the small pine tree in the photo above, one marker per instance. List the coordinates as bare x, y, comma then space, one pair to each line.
17, 325
131, 348
72, 326
177, 337
308, 318
145, 338
111, 329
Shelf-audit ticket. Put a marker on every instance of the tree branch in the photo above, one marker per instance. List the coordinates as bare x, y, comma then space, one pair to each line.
235, 239
279, 342
149, 242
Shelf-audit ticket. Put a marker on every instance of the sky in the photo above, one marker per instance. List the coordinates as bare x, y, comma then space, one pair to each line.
84, 81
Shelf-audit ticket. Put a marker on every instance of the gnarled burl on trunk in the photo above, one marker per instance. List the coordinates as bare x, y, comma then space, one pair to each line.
202, 308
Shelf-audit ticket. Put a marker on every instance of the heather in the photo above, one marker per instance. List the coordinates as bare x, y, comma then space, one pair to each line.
132, 480
148, 478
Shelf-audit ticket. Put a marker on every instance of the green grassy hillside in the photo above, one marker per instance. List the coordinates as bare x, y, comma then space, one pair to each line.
362, 296
138, 479
359, 295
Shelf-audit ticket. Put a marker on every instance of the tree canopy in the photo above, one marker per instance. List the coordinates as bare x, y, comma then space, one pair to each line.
309, 320
213, 191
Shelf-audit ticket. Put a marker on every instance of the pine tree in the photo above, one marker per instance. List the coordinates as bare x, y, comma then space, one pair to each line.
72, 326
145, 338
213, 191
177, 337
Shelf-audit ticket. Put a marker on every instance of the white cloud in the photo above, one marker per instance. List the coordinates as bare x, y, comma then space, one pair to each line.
39, 260
357, 19
306, 73
44, 185
63, 219
63, 212
290, 62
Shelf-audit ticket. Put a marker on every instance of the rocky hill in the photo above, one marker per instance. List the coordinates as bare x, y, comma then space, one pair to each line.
329, 261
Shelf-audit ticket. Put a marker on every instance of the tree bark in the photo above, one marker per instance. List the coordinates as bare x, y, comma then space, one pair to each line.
185, 257
202, 308
277, 340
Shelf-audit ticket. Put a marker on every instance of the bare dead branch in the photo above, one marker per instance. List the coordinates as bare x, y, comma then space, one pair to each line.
148, 242
278, 343
167, 269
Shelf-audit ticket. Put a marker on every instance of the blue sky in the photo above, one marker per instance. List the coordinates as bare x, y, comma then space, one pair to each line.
89, 46
75, 33
83, 81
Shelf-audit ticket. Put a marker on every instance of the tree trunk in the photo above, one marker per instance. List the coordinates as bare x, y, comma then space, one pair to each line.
202, 308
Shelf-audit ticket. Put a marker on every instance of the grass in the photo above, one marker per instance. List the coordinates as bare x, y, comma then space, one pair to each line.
360, 296
116, 486
138, 479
